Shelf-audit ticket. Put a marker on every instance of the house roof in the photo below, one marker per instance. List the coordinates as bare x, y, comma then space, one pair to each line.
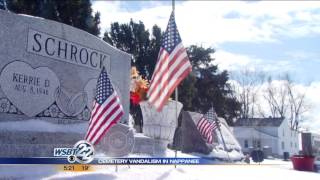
254, 122
244, 133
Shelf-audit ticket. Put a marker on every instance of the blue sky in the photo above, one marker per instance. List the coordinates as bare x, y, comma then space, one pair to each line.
275, 33
302, 54
270, 36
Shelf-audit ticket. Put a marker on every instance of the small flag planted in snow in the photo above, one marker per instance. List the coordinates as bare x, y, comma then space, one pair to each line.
106, 111
207, 124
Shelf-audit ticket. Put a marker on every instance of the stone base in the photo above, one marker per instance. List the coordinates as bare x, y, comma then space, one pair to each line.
42, 144
143, 145
35, 144
149, 146
160, 148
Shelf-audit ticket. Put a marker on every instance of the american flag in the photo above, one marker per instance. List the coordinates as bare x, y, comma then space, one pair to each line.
172, 67
207, 124
106, 111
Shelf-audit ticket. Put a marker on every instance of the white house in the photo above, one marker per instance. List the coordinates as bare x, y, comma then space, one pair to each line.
273, 135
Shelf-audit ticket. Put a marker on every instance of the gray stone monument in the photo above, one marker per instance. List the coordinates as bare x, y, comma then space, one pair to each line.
48, 75
188, 138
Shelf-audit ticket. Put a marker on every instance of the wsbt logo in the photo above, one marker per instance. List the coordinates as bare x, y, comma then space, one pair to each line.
82, 152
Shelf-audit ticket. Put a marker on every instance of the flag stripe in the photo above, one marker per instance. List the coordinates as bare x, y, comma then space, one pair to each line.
207, 131
164, 64
173, 83
162, 61
104, 112
103, 133
200, 122
95, 109
208, 124
99, 111
172, 89
160, 56
105, 123
205, 128
204, 121
166, 85
168, 73
94, 105
110, 101
116, 117
111, 119
210, 139
103, 120
164, 76
95, 120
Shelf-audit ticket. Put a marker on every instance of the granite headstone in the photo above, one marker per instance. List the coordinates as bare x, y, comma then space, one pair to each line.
48, 73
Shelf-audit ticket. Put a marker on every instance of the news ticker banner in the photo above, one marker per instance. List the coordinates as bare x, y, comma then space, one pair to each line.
83, 153
109, 161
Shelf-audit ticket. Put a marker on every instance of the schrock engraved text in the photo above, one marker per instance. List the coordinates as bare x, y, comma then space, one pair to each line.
46, 45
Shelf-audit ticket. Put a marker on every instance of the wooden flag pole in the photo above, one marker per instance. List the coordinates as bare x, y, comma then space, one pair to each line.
219, 129
173, 5
176, 96
177, 116
224, 143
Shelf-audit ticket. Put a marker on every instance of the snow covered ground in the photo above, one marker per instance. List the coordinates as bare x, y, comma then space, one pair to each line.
269, 169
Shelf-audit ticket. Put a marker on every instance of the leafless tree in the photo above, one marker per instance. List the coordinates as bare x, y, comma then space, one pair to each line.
277, 98
297, 103
246, 91
285, 100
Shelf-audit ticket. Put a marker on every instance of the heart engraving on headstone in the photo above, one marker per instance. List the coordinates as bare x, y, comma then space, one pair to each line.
71, 105
90, 89
30, 89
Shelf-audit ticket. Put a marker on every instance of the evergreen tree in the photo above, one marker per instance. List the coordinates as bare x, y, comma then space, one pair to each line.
133, 38
204, 87
3, 5
77, 13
